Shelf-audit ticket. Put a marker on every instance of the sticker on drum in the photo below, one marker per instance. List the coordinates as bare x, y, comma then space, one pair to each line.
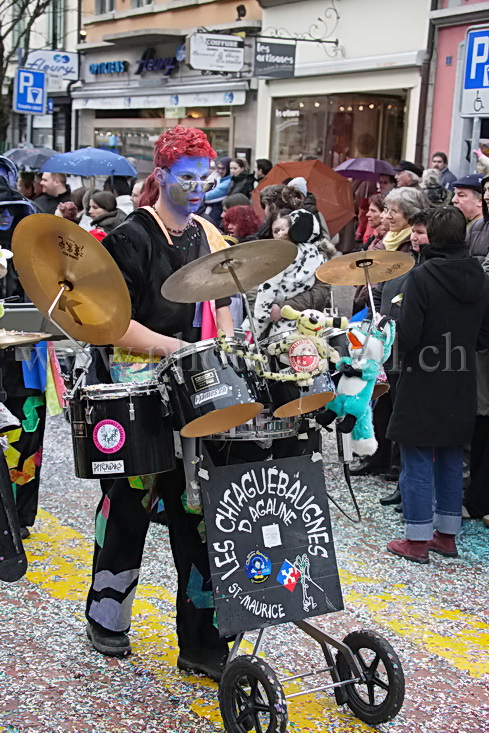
303, 356
79, 429
212, 394
109, 436
104, 468
205, 379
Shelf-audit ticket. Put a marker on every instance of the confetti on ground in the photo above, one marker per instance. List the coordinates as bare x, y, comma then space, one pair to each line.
52, 681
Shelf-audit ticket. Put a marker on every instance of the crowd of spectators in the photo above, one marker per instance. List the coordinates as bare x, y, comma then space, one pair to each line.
399, 216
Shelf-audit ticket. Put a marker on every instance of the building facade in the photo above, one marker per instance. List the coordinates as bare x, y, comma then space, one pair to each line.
358, 96
447, 129
136, 80
53, 36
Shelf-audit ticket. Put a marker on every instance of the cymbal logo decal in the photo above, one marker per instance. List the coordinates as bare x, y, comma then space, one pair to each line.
70, 305
396, 266
70, 248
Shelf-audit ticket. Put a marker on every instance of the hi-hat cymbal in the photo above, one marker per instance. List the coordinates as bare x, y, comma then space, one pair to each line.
209, 277
19, 338
49, 251
349, 269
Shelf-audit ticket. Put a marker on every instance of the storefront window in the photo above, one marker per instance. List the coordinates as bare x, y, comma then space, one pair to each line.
140, 143
336, 127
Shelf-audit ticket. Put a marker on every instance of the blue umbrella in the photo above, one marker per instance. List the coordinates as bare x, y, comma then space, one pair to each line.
89, 162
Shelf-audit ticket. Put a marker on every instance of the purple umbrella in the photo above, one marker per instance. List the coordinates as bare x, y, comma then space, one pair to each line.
365, 169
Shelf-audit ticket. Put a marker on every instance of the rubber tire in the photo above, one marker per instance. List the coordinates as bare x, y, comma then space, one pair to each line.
394, 699
251, 668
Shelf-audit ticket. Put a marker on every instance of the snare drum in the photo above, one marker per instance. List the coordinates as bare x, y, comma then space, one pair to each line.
210, 391
263, 427
121, 430
288, 399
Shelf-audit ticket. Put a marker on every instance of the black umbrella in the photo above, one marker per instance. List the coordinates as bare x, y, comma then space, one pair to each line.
32, 158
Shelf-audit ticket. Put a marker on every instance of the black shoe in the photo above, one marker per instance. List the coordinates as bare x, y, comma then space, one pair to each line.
24, 533
394, 498
393, 473
110, 643
366, 469
210, 662
398, 508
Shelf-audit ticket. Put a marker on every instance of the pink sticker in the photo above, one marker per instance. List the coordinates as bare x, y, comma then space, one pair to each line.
109, 436
303, 356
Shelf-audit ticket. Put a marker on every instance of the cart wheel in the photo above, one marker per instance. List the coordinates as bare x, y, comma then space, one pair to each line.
251, 697
380, 697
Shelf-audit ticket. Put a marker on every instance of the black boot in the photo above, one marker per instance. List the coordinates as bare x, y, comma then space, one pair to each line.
394, 498
110, 643
210, 662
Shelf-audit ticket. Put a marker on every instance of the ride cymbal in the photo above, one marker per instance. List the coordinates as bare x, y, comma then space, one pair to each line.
209, 277
349, 269
50, 251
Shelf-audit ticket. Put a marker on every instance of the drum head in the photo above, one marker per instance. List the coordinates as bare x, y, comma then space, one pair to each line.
305, 404
218, 421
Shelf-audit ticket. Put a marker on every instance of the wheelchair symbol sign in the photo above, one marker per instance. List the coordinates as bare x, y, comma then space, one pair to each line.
475, 87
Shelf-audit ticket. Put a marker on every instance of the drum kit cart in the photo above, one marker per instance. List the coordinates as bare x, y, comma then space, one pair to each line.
205, 392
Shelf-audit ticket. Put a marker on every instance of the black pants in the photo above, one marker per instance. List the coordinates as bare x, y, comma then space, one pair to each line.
24, 455
477, 494
122, 522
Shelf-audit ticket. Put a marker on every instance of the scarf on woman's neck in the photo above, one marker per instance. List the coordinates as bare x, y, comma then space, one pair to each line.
393, 240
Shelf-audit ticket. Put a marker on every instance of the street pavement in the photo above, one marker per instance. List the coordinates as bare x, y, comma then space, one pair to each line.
52, 681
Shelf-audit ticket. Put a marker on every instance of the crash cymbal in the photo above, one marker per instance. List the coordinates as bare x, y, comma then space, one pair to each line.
349, 269
18, 338
49, 251
209, 278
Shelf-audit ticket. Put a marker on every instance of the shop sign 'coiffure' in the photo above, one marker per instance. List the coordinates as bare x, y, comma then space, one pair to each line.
274, 60
213, 52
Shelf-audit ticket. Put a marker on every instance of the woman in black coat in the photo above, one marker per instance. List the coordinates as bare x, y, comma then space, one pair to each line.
444, 316
242, 181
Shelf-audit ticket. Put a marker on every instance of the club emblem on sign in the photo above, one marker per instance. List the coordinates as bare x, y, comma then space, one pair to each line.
303, 356
258, 566
288, 575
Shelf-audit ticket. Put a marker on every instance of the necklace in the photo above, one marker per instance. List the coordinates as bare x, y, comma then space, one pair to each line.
176, 232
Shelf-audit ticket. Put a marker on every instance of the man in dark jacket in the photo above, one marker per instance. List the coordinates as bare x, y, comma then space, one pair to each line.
54, 192
444, 316
478, 234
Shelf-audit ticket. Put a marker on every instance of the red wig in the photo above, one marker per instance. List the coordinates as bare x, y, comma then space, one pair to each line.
179, 142
244, 218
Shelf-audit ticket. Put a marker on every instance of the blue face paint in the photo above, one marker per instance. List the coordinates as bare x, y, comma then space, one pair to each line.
183, 203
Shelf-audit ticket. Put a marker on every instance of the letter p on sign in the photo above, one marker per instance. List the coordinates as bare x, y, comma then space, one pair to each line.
26, 80
480, 55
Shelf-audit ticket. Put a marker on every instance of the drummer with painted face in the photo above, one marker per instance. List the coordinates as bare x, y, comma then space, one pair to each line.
149, 246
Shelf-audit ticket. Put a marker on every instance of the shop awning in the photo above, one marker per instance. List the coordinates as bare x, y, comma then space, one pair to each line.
189, 95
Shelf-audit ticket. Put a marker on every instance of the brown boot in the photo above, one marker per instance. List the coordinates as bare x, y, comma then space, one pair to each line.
443, 544
413, 550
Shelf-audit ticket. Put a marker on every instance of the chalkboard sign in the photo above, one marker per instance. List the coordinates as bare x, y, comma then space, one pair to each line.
270, 543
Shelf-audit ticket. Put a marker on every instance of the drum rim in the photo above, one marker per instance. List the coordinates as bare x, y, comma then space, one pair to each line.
117, 390
325, 333
196, 348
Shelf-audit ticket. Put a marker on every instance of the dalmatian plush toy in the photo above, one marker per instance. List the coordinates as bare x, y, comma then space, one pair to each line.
369, 347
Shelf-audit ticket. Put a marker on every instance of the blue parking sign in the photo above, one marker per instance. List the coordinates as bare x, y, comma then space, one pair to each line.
29, 92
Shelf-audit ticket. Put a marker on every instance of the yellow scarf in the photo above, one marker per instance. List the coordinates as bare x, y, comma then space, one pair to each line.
393, 240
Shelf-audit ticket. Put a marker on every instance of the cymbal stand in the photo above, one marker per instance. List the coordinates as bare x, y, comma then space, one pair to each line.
228, 265
66, 286
364, 265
